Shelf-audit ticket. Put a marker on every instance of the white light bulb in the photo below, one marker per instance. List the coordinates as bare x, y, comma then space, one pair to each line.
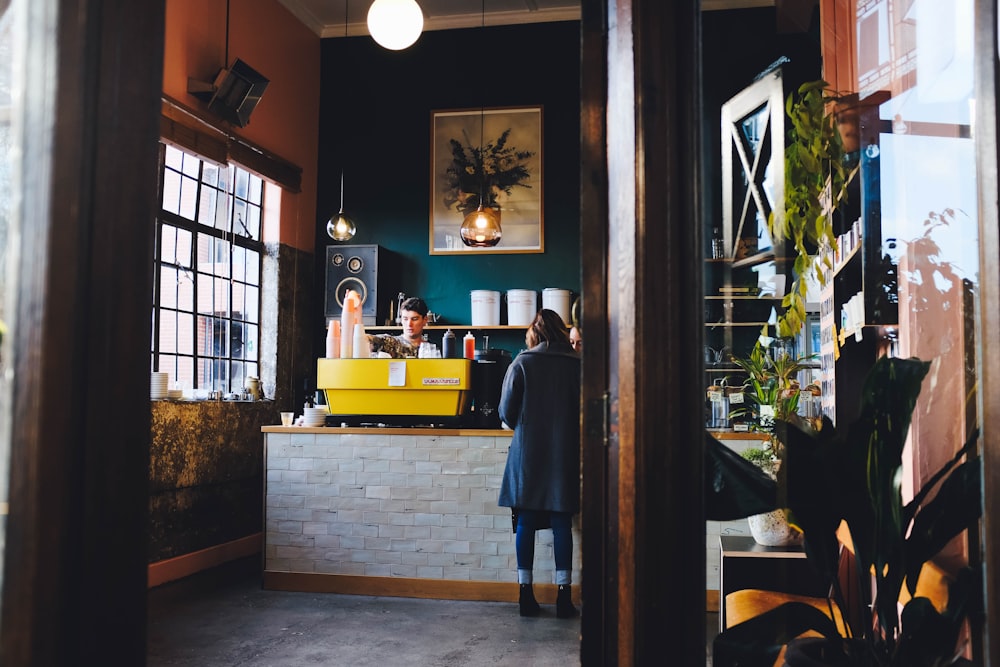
395, 24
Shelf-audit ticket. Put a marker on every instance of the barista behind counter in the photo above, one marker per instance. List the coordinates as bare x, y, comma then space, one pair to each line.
413, 317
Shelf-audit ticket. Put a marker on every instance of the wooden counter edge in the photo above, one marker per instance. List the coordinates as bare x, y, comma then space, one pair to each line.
348, 430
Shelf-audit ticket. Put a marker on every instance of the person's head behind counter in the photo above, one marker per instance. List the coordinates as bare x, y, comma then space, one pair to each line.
576, 339
413, 317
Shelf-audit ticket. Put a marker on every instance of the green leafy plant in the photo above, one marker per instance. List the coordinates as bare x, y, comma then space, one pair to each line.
762, 457
816, 180
771, 390
853, 475
483, 172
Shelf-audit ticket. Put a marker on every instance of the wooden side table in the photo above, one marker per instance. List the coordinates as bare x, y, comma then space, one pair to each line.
746, 564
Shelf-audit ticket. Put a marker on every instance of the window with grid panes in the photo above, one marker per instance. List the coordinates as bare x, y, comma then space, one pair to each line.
207, 267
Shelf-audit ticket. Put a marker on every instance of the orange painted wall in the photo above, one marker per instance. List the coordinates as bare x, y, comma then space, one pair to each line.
270, 39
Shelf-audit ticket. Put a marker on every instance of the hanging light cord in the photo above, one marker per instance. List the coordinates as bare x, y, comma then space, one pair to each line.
347, 6
482, 125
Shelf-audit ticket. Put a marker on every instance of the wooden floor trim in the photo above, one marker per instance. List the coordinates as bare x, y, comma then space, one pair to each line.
179, 567
490, 591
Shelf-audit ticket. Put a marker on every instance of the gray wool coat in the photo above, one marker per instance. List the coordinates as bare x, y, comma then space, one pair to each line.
541, 402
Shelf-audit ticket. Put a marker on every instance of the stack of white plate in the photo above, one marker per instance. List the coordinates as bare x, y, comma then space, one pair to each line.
314, 416
158, 385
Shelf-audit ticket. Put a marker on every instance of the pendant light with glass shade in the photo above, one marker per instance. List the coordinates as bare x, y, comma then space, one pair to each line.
340, 227
481, 228
395, 24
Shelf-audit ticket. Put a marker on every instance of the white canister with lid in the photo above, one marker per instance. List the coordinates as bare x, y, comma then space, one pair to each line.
557, 300
522, 304
485, 308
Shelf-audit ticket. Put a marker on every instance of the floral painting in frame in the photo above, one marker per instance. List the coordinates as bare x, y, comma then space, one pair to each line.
493, 156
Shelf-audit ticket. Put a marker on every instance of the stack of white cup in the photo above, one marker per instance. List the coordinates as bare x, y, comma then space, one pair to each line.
158, 385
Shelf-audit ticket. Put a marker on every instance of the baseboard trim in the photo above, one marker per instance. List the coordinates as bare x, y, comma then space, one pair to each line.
179, 567
404, 587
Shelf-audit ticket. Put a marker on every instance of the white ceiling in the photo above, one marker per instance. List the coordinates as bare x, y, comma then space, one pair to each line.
327, 17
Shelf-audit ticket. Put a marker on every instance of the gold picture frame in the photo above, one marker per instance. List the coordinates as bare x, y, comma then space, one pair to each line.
509, 139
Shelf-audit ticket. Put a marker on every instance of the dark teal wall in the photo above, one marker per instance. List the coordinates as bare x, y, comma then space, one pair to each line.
375, 117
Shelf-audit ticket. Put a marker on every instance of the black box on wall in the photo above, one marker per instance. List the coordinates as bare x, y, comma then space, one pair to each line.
368, 270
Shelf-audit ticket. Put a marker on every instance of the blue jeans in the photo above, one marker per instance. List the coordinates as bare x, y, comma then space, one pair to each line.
562, 539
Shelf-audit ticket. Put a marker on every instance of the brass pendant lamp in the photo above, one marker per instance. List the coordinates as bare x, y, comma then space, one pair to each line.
341, 227
481, 228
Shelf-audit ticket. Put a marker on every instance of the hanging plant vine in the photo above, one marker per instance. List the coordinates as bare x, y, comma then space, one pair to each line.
816, 180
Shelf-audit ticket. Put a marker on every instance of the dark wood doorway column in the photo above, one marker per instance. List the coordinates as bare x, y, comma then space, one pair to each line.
74, 585
642, 321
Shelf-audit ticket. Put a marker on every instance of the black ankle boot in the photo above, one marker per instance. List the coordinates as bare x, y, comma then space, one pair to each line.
564, 603
526, 600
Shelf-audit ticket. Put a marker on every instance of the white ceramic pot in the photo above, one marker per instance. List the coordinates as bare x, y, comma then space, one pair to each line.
772, 530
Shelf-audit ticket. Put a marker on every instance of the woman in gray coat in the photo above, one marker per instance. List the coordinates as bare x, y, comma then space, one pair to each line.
541, 483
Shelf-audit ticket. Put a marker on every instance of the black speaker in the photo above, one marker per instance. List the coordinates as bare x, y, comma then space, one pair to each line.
369, 271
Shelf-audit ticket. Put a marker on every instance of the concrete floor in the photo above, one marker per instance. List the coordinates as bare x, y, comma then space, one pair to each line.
223, 618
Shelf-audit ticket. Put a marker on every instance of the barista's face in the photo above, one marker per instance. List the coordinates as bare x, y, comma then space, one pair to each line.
413, 324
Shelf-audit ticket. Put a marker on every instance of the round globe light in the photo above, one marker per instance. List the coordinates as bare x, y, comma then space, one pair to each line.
395, 24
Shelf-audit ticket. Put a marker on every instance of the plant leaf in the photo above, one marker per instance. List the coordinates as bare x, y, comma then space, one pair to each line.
757, 641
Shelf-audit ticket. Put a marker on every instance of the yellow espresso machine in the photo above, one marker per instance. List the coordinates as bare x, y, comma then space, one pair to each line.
396, 392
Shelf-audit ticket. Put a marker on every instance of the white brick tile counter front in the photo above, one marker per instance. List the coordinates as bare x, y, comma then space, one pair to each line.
409, 512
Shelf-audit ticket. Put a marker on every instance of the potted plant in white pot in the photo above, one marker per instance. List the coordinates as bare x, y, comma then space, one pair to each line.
852, 475
771, 392
770, 529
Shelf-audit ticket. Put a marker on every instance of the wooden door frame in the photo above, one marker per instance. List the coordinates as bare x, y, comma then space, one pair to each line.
987, 130
74, 585
643, 327
598, 462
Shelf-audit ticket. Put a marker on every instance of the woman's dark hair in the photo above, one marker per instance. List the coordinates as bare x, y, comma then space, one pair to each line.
414, 304
548, 327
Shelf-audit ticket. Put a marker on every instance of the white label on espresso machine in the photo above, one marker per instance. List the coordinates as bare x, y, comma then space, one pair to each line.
397, 373
441, 381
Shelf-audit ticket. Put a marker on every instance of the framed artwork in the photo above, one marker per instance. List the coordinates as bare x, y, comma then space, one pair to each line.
493, 155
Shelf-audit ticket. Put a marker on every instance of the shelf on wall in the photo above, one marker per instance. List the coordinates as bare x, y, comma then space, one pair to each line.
743, 297
735, 324
444, 327
760, 258
844, 261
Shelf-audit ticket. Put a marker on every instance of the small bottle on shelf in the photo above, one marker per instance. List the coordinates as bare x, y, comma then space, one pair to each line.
448, 346
718, 245
469, 345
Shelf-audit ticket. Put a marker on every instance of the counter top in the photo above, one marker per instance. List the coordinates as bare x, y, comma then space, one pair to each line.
356, 430
730, 434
